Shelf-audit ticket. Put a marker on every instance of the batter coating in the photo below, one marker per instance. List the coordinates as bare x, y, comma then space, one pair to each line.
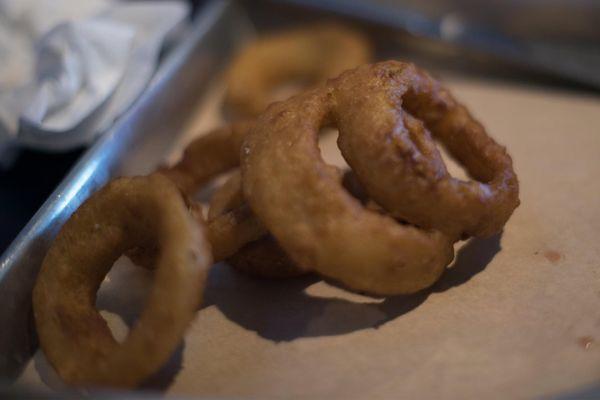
318, 224
128, 212
388, 143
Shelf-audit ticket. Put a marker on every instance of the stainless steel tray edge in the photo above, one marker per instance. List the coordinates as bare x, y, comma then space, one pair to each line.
21, 261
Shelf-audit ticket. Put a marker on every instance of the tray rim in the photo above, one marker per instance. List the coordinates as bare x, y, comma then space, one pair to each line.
95, 167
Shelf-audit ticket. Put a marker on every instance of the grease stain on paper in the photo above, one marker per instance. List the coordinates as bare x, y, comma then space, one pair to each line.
553, 256
585, 342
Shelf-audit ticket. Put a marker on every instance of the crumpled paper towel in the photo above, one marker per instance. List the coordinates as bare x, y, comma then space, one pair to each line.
69, 67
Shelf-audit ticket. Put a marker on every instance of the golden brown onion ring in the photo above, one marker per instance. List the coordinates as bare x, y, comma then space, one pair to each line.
317, 223
309, 54
291, 190
231, 231
127, 212
394, 155
261, 257
207, 156
264, 258
231, 224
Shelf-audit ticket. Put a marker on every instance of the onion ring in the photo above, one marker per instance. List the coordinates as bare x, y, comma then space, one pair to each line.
310, 54
261, 257
127, 212
320, 225
384, 142
231, 228
203, 159
208, 156
264, 258
229, 232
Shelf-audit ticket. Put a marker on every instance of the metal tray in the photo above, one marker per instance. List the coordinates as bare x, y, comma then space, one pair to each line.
134, 145
151, 128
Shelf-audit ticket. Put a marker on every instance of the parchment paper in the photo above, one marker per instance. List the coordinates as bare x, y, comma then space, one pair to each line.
517, 315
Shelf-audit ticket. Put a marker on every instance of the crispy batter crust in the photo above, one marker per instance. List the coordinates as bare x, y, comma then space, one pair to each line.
318, 224
388, 143
233, 226
208, 156
378, 110
204, 159
262, 256
233, 230
126, 213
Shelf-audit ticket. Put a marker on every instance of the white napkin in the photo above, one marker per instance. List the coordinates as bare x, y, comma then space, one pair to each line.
69, 68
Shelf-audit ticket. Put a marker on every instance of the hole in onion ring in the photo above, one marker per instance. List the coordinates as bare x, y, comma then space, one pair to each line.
330, 152
120, 300
116, 324
454, 167
122, 296
332, 155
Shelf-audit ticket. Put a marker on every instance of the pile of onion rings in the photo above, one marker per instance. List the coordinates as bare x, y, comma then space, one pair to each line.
385, 227
388, 115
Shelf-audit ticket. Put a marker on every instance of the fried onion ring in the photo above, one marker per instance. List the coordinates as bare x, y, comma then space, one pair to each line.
203, 159
264, 258
261, 257
207, 156
126, 213
233, 230
323, 227
385, 141
310, 54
